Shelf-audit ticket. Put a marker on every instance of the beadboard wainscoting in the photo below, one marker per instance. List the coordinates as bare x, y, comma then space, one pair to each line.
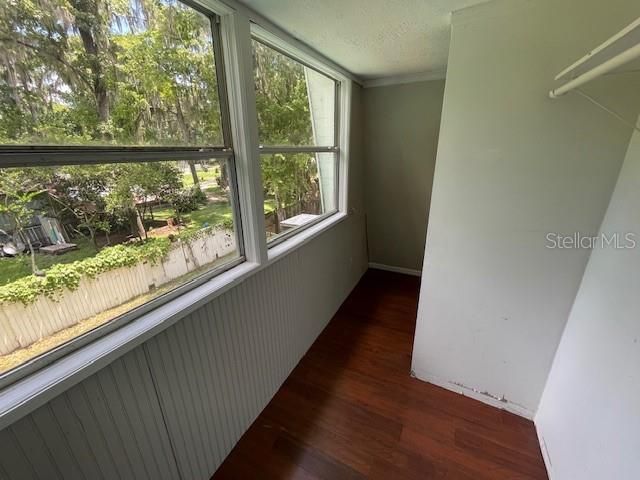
175, 406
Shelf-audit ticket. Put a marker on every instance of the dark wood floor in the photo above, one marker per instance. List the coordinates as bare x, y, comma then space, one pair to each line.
350, 410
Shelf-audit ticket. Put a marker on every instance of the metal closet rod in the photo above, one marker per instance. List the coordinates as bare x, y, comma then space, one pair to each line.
602, 69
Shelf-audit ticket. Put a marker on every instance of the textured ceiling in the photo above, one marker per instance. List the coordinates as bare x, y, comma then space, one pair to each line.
371, 38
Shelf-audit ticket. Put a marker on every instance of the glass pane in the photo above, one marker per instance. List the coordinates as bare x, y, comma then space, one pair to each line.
111, 72
296, 104
81, 245
298, 189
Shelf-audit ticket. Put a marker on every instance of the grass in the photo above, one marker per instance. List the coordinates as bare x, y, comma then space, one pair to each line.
210, 214
12, 269
210, 175
215, 212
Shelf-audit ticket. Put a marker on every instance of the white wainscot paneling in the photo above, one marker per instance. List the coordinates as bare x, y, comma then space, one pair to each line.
174, 407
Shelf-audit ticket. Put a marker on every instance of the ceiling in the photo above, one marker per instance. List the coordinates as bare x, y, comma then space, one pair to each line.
372, 39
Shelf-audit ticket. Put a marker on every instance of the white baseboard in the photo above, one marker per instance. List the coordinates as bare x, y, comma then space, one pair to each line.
545, 452
490, 400
514, 408
389, 268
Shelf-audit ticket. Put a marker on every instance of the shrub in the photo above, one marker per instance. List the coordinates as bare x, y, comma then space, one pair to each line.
67, 276
188, 200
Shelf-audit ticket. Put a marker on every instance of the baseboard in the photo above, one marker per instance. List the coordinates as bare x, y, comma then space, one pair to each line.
483, 397
390, 268
545, 452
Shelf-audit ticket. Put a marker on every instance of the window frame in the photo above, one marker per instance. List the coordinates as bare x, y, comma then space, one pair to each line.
52, 373
269, 40
25, 156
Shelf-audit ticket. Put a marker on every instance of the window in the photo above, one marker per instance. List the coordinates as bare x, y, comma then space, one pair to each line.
117, 177
119, 188
139, 72
297, 111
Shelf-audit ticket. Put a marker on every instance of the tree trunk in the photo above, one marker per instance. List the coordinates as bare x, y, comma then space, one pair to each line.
95, 45
140, 224
137, 227
102, 102
276, 213
92, 236
34, 268
32, 253
194, 174
224, 175
137, 224
186, 138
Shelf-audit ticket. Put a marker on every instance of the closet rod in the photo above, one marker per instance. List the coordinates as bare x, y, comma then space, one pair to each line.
605, 67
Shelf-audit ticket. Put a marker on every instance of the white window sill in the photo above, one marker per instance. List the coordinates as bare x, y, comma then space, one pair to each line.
33, 391
302, 237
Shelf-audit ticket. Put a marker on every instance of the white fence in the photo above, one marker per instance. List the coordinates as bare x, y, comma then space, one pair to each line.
22, 325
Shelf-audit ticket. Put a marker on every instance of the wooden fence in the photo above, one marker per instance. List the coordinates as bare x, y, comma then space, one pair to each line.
22, 325
272, 219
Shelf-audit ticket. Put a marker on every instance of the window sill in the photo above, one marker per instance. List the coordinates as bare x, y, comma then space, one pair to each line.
301, 238
25, 395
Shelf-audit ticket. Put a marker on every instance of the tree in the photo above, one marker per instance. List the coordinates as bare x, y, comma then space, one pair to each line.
284, 119
96, 71
91, 22
135, 184
282, 101
81, 191
19, 193
156, 183
136, 72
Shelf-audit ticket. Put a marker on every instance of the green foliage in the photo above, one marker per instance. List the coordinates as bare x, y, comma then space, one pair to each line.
18, 194
225, 223
289, 178
137, 72
67, 276
106, 71
188, 236
284, 118
282, 101
132, 72
187, 200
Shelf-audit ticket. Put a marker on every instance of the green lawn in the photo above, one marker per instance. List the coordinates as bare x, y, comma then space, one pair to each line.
17, 267
211, 214
214, 213
212, 173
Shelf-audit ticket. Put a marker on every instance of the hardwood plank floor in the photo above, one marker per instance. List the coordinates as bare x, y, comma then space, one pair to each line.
350, 410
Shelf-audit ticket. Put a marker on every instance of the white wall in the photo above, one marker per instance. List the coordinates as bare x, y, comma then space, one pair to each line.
175, 406
589, 416
513, 165
401, 138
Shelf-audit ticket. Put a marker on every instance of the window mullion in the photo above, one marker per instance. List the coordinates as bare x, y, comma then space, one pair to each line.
238, 58
346, 92
24, 156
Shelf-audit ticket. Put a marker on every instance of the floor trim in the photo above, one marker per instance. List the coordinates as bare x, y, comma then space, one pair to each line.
545, 451
483, 397
390, 268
